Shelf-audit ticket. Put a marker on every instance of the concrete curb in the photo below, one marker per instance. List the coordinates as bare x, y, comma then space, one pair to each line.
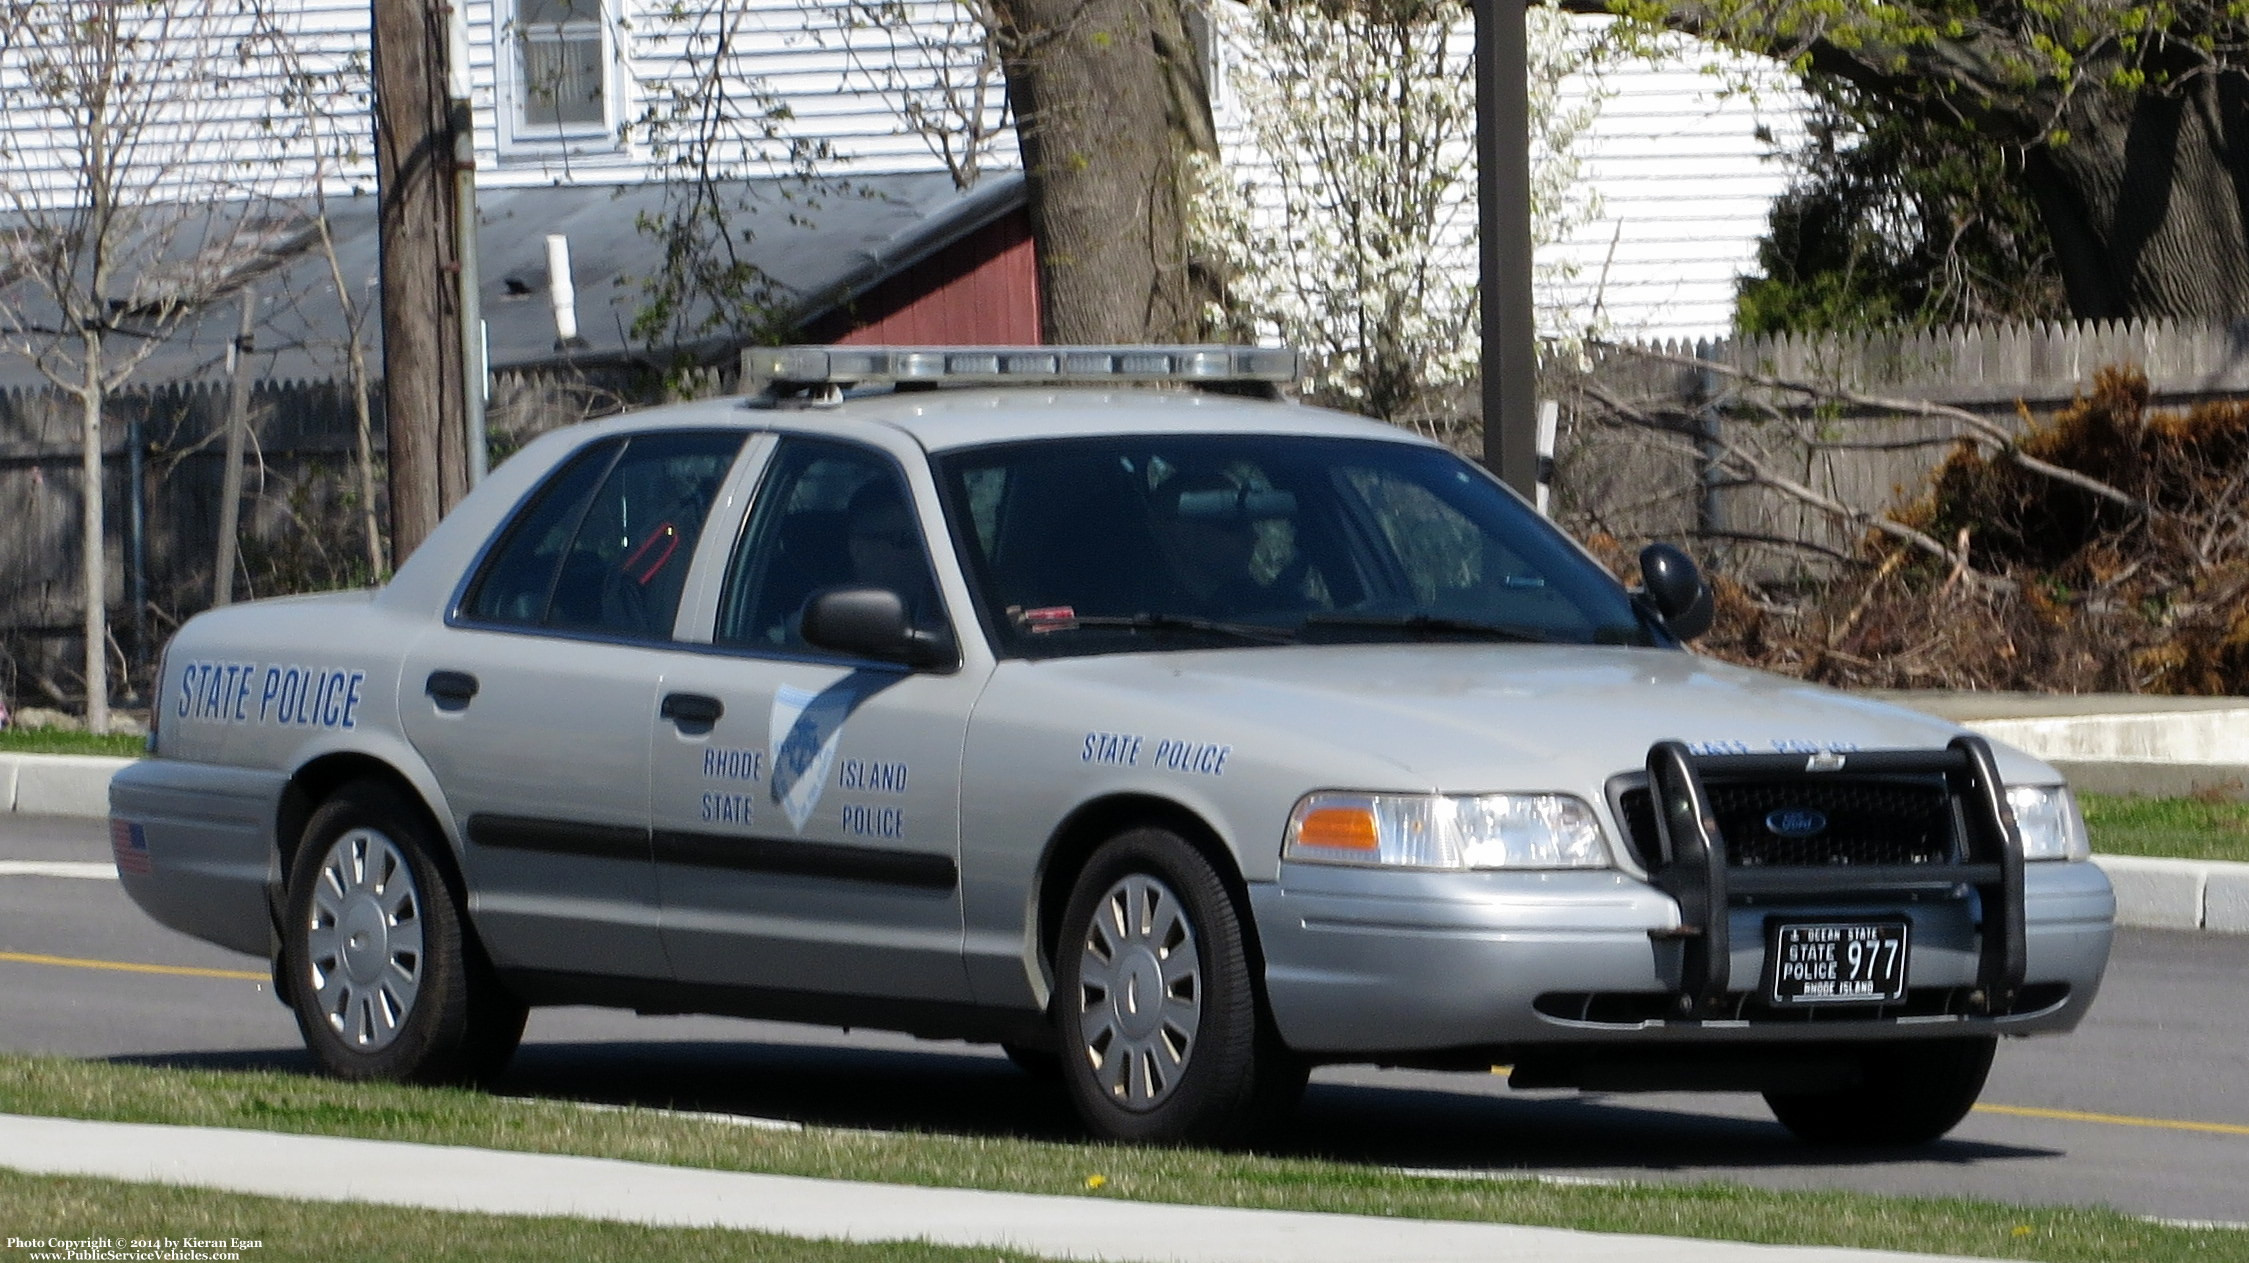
2150, 893
329, 1168
58, 784
2164, 894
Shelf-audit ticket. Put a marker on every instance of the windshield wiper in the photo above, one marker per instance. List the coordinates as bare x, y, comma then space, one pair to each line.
1430, 624
1043, 621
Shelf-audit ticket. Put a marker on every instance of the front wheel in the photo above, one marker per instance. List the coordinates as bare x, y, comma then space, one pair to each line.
377, 962
1162, 1035
1910, 1094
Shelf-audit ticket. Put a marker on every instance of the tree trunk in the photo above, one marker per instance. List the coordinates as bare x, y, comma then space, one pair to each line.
1109, 105
2144, 202
423, 374
93, 568
2142, 192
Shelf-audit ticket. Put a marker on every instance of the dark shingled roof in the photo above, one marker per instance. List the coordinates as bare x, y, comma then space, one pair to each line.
821, 250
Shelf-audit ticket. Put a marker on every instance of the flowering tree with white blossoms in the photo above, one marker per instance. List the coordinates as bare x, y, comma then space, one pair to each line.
1346, 213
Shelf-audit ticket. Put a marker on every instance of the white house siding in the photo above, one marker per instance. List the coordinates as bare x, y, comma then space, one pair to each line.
1683, 181
796, 52
214, 130
1684, 185
775, 46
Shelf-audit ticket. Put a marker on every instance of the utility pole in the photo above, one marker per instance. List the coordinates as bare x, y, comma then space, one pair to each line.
424, 378
460, 113
237, 435
1503, 217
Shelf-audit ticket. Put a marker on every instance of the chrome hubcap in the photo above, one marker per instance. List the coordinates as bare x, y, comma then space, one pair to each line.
1140, 992
363, 947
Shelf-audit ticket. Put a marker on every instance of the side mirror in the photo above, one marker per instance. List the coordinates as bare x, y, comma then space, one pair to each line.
870, 623
1676, 590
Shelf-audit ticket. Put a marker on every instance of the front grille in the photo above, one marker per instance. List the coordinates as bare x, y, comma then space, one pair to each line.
1870, 820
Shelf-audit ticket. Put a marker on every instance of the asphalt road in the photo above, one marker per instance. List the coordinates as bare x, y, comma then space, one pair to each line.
2145, 1108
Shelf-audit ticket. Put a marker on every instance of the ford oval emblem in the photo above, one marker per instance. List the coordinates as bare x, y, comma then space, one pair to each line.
1796, 822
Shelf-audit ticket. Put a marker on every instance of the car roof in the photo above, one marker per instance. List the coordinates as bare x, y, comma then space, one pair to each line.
949, 419
953, 418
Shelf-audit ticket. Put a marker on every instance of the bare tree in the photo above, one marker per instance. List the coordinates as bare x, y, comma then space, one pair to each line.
132, 201
321, 115
726, 155
1113, 114
938, 64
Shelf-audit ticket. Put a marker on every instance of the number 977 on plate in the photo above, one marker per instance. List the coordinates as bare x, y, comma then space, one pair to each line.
1835, 962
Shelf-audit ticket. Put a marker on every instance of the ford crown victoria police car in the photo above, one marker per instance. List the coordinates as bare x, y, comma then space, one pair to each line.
1173, 739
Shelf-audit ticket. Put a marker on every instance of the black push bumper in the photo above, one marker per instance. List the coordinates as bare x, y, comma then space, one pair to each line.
1692, 858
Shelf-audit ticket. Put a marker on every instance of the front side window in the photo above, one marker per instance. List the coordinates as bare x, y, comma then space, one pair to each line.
829, 515
1185, 541
564, 76
604, 547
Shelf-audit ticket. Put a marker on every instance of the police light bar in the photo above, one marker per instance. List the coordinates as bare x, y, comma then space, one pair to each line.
807, 366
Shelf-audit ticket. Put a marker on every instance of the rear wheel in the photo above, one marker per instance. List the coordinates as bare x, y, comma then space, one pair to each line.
1162, 1034
1038, 1063
1911, 1094
377, 961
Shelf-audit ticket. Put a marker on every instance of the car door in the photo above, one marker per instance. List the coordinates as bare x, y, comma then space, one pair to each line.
806, 810
533, 704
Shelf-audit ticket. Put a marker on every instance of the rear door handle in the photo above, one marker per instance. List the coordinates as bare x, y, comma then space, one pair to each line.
691, 709
451, 690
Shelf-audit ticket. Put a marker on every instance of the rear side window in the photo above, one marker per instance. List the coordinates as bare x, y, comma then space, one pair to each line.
604, 546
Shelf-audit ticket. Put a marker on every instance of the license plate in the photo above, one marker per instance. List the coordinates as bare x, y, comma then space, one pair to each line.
1836, 962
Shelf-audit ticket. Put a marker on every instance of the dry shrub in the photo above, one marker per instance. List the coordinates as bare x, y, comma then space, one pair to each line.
2064, 591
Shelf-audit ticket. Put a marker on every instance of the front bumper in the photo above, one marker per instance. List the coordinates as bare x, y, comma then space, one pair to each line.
1370, 963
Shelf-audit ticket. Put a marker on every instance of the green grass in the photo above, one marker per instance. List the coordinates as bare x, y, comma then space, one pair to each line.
62, 741
281, 1102
68, 1207
2179, 828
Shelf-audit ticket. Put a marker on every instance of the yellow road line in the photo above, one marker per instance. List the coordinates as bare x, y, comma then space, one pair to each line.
2115, 1120
129, 967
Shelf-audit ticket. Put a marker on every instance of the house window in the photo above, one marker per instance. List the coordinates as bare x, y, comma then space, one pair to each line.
565, 73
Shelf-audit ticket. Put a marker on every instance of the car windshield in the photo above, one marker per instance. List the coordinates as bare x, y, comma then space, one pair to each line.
1189, 541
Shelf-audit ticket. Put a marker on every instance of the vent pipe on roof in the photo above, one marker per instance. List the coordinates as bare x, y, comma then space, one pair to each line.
563, 293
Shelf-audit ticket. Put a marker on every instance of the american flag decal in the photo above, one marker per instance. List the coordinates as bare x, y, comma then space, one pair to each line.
129, 844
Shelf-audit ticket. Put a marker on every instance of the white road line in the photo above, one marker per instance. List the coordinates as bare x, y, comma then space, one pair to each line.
87, 869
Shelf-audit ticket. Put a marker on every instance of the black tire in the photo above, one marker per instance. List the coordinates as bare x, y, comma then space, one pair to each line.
1911, 1094
377, 962
1164, 1038
1039, 1063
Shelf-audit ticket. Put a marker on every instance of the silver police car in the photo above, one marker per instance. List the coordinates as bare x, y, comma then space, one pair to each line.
1175, 739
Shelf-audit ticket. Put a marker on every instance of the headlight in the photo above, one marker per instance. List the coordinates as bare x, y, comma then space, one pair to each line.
1446, 831
2047, 818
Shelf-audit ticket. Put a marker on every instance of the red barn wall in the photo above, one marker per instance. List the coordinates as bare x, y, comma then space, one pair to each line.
983, 291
